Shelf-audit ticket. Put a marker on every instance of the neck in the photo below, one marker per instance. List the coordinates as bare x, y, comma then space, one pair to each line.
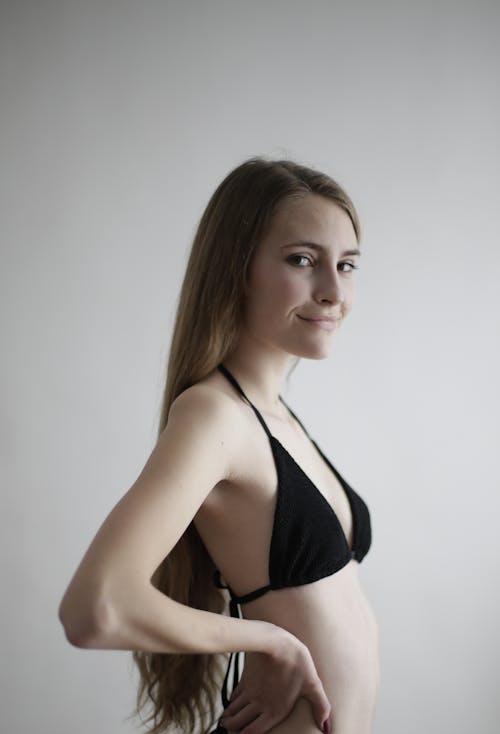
260, 371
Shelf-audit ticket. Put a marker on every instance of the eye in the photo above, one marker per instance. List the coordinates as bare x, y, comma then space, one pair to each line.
351, 265
298, 260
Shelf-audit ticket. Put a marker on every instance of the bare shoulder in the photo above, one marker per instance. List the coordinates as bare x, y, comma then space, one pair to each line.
204, 401
210, 412
208, 405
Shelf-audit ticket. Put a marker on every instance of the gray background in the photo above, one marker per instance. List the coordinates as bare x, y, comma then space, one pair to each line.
118, 121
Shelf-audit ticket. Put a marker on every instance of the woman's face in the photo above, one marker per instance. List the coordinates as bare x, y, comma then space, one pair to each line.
301, 278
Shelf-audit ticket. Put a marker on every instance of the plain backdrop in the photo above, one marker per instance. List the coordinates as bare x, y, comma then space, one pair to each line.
118, 120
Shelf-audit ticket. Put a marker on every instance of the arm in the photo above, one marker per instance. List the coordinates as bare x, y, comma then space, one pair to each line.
111, 602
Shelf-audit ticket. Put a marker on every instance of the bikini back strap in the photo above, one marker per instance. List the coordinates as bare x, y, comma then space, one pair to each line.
235, 600
231, 379
234, 657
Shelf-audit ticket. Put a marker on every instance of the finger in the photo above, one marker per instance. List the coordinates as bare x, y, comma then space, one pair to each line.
328, 725
321, 710
262, 724
236, 704
320, 704
244, 717
237, 692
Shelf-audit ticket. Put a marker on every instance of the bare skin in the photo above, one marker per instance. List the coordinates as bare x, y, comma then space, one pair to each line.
311, 651
331, 616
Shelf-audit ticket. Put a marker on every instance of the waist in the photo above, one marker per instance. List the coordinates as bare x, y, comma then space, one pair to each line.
334, 618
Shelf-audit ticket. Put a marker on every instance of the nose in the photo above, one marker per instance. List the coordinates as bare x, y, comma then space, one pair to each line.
329, 287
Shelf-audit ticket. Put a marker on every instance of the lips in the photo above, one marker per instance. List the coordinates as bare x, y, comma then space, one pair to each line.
322, 322
325, 319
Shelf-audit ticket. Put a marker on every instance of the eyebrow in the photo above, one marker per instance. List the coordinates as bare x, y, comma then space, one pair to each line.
315, 246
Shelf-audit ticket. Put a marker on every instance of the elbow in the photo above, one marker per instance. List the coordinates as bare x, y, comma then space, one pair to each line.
87, 626
78, 637
77, 633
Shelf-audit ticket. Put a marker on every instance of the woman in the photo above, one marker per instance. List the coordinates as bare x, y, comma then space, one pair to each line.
235, 494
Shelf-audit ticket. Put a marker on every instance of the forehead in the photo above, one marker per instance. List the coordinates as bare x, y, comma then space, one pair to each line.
312, 218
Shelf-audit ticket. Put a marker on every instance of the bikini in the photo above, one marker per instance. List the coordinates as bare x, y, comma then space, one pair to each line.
307, 542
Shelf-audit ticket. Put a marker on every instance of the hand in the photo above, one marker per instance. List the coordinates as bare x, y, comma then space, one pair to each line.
270, 685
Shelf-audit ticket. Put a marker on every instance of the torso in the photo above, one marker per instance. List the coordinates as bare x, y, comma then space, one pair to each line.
331, 616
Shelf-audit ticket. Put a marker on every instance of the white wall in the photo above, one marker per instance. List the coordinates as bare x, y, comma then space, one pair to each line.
118, 121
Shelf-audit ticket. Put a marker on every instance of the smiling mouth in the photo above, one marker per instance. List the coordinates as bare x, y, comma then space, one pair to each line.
326, 324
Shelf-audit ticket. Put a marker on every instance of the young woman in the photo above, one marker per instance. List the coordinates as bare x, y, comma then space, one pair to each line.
236, 500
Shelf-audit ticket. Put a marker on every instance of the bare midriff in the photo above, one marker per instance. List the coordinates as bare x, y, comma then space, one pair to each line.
334, 619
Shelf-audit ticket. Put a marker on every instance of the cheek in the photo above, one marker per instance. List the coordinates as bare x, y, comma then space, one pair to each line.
272, 296
274, 285
349, 298
277, 294
293, 288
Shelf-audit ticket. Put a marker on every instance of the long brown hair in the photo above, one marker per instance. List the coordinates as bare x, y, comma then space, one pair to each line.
183, 689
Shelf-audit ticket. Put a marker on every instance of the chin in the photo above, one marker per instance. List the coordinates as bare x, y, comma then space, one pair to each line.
313, 351
318, 355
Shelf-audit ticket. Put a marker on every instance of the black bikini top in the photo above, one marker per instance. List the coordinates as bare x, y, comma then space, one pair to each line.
307, 542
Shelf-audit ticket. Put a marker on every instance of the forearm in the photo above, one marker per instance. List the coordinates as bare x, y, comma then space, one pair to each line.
145, 619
